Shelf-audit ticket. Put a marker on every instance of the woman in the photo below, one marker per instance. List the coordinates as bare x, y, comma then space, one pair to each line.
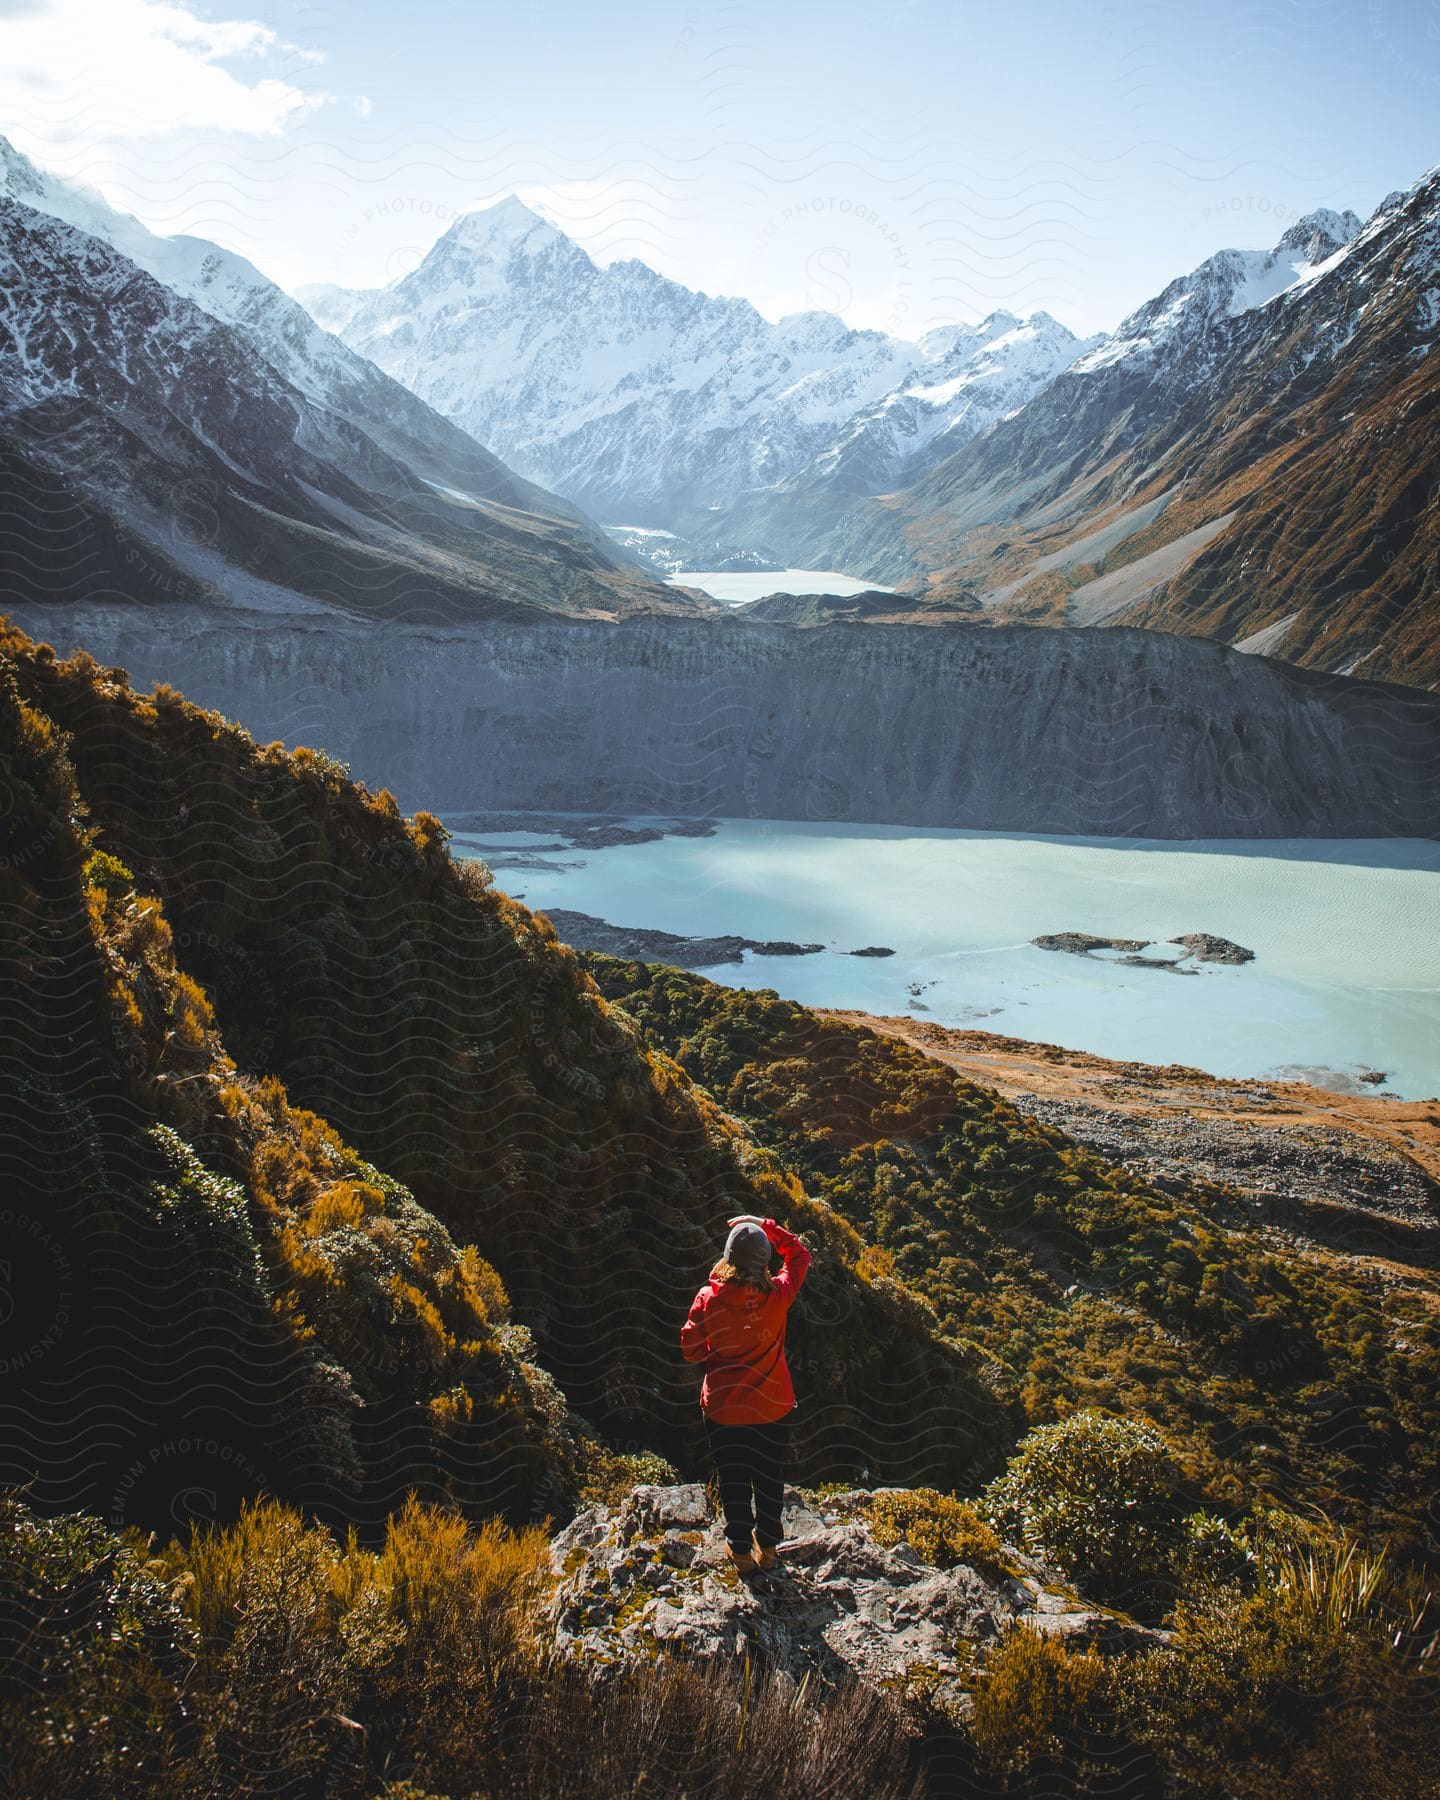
736, 1328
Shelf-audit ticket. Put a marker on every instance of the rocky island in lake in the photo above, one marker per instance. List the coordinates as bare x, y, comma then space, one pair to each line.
1196, 947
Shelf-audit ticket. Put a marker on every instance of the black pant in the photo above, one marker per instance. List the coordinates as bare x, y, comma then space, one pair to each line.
750, 1467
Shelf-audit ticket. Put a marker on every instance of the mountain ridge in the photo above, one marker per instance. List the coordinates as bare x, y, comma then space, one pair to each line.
369, 499
1262, 473
1097, 732
660, 396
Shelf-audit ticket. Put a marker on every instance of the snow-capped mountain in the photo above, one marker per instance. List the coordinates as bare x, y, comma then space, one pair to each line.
971, 376
1252, 457
647, 402
141, 372
1226, 285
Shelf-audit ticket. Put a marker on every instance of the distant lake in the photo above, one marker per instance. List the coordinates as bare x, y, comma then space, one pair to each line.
736, 588
1346, 935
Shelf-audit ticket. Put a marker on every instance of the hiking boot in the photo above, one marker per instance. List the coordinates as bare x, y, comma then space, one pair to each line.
765, 1557
742, 1562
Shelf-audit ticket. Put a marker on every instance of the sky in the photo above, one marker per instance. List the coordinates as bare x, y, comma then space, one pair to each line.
906, 163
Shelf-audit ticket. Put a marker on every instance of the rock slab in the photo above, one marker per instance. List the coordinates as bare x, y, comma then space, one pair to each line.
652, 1576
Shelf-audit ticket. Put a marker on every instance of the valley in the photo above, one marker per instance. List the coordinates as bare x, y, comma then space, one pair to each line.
1243, 459
979, 813
1193, 470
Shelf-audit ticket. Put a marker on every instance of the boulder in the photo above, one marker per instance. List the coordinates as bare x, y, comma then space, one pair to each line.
652, 1576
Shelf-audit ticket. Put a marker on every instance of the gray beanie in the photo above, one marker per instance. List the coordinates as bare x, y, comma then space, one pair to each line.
748, 1249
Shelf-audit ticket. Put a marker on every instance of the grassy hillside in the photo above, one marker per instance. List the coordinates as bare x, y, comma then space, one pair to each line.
328, 1175
260, 964
203, 939
1305, 1377
214, 1294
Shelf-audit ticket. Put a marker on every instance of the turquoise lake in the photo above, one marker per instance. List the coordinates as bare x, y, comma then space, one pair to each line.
1346, 935
737, 586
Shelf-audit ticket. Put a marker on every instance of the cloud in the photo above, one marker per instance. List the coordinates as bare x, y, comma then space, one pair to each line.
363, 105
131, 69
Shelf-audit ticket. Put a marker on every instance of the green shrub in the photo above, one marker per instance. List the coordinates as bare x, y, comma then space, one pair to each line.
93, 1657
1036, 1701
942, 1529
108, 874
606, 1476
1317, 1677
1097, 1496
1212, 1552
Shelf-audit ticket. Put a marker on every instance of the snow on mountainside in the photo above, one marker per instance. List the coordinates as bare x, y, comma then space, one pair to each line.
639, 398
1251, 458
222, 284
1224, 286
151, 449
323, 369
971, 377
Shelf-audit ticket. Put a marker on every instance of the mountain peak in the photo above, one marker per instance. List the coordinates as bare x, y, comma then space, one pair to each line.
1426, 190
508, 221
941, 340
1319, 234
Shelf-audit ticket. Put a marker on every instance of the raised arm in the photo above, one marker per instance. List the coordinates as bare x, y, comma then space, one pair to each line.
793, 1254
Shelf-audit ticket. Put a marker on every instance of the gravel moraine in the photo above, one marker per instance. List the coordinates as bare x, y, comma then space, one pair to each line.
1268, 1162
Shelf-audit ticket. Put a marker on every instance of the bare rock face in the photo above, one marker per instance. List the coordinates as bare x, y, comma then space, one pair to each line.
1109, 732
652, 1576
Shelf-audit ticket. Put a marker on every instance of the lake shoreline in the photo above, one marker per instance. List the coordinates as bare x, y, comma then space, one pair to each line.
638, 943
1288, 961
1281, 1145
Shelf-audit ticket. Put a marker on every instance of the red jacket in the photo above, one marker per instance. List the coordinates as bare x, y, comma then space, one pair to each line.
738, 1332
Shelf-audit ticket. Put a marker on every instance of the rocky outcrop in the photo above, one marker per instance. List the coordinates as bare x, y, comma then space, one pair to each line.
652, 1576
1196, 947
1305, 1180
1108, 732
1081, 943
582, 931
1204, 946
